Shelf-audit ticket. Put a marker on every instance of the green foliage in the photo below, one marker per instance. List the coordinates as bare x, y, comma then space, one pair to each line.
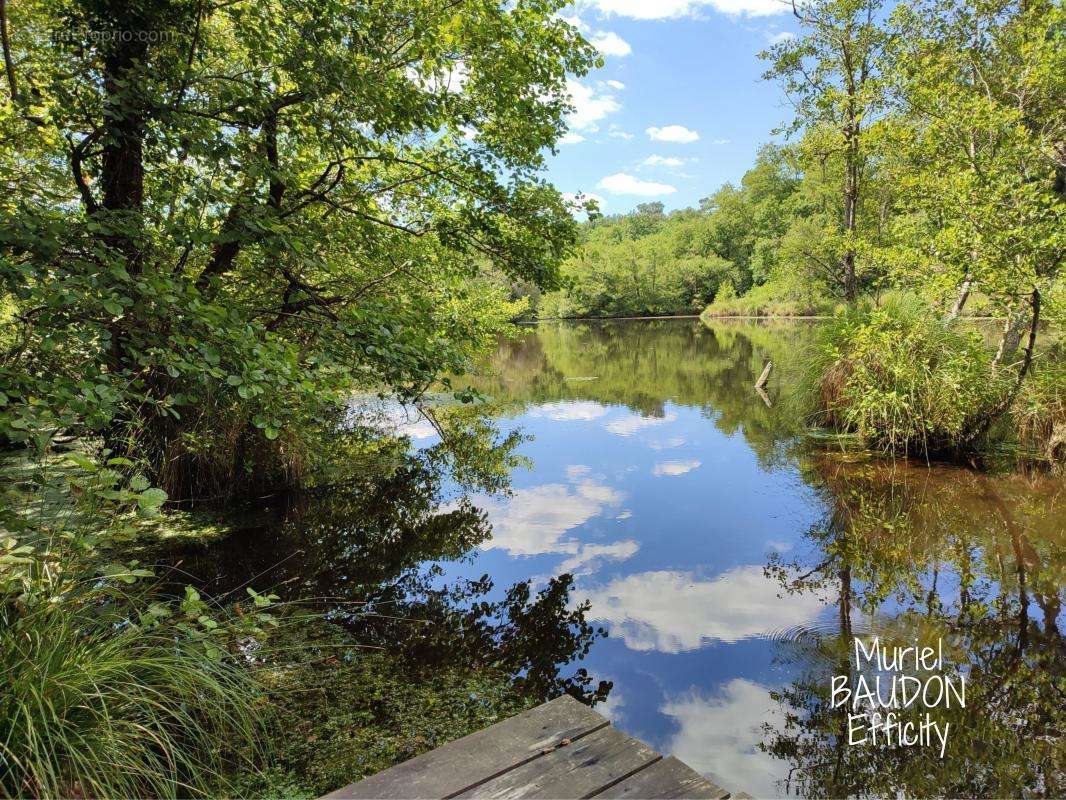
651, 263
345, 712
104, 697
219, 220
973, 149
903, 380
111, 687
774, 299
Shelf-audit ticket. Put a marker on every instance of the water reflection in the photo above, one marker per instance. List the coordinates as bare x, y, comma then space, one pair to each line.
721, 653
924, 555
625, 475
370, 553
672, 611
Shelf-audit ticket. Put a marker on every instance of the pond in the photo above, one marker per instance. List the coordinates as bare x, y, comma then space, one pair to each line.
722, 552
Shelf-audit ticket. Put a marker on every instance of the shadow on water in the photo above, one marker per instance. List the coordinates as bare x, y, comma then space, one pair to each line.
368, 554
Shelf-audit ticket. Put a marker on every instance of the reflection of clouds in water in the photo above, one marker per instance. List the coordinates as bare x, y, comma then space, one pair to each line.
590, 556
719, 737
775, 546
533, 520
391, 417
673, 611
566, 410
674, 467
630, 424
625, 515
666, 444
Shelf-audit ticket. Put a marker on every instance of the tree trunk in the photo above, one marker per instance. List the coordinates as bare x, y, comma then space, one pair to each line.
851, 206
122, 190
1013, 328
964, 295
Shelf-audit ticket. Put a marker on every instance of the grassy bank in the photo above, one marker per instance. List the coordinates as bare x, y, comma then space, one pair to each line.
904, 379
769, 300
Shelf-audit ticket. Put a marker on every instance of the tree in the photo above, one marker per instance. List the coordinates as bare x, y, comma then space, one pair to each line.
219, 218
830, 76
980, 160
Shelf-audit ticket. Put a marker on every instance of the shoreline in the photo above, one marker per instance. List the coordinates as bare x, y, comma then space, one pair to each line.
710, 316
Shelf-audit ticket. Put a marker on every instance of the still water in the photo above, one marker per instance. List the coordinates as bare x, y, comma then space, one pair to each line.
723, 552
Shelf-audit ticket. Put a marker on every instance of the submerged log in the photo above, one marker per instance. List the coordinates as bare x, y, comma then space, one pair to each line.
761, 383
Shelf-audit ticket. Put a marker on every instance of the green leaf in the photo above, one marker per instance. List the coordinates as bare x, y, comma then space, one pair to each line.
151, 498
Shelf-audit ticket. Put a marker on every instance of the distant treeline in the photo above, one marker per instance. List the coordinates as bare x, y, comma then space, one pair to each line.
924, 155
770, 229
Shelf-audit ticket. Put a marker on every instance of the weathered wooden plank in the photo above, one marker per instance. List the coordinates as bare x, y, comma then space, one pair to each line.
668, 778
458, 765
581, 769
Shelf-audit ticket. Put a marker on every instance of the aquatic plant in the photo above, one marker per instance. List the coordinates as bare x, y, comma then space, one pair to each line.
903, 380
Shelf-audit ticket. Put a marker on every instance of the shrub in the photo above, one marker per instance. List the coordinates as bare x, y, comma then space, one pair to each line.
774, 299
1040, 410
903, 380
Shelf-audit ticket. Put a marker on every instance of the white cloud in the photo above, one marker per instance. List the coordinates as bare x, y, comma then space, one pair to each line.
533, 520
576, 471
664, 444
621, 183
590, 555
720, 141
671, 162
665, 9
719, 736
571, 138
611, 44
673, 468
624, 515
672, 133
570, 410
782, 36
616, 85
673, 611
632, 423
590, 105
617, 133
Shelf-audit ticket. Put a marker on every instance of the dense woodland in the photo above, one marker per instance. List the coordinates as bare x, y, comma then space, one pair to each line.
925, 155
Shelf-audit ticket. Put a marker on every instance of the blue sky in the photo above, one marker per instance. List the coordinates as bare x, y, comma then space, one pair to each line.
679, 108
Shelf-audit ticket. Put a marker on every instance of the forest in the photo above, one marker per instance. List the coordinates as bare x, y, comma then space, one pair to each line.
925, 156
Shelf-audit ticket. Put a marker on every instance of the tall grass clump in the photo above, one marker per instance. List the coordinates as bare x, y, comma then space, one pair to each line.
1040, 410
94, 704
111, 688
903, 380
774, 299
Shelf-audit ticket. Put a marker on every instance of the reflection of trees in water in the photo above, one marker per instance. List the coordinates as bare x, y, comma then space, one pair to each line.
644, 364
957, 555
363, 551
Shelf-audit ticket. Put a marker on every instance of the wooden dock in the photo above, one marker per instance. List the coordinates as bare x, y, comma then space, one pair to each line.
562, 749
